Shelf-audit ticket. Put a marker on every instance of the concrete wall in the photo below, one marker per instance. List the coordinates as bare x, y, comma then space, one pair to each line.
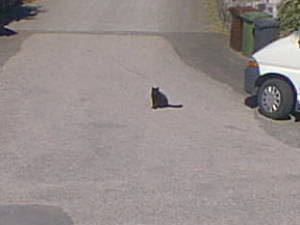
269, 6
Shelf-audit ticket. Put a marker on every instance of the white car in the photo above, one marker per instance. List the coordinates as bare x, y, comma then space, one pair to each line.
273, 74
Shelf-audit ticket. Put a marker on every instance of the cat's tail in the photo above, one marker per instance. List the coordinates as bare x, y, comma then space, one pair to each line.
175, 106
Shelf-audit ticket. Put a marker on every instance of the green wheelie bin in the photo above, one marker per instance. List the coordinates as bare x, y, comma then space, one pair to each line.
236, 31
248, 41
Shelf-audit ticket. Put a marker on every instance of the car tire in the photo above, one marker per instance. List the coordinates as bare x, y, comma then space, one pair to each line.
275, 98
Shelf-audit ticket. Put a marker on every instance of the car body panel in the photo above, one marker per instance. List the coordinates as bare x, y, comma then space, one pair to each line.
281, 58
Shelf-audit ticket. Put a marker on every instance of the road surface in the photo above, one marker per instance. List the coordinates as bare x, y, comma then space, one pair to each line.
81, 145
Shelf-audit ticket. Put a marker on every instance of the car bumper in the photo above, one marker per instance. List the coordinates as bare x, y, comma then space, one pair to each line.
251, 76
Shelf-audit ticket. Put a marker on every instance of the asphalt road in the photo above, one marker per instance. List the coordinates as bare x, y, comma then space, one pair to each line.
116, 16
80, 143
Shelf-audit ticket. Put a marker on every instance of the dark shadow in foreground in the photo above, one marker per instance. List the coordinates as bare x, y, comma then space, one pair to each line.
17, 13
6, 32
33, 215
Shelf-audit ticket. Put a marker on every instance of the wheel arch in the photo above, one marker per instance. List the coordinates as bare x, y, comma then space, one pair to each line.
289, 105
265, 77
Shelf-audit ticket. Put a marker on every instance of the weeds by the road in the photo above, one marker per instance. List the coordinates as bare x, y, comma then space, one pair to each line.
216, 24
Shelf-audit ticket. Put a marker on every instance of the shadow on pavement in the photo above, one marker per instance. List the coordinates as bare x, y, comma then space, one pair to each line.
210, 53
18, 12
251, 102
6, 32
297, 116
33, 215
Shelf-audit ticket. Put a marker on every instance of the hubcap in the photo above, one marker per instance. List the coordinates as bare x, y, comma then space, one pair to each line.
271, 99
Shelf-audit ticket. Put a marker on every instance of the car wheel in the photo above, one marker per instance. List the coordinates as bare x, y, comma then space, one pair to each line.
275, 99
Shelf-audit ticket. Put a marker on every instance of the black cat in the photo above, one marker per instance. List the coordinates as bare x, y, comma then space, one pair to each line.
159, 100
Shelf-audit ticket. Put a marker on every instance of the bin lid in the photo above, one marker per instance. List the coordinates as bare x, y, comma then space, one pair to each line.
266, 23
237, 11
250, 17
